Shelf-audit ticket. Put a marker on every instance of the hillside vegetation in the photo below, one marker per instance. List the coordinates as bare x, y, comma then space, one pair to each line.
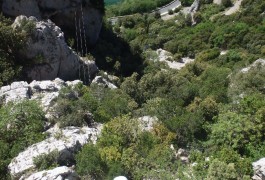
210, 107
126, 7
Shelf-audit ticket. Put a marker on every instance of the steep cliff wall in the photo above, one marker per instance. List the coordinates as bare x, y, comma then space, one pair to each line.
64, 13
49, 54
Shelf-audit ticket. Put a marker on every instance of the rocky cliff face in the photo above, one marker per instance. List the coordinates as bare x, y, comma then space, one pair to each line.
66, 141
49, 55
64, 13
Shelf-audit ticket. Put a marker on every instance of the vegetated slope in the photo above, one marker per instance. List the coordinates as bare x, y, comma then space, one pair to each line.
206, 103
210, 107
135, 6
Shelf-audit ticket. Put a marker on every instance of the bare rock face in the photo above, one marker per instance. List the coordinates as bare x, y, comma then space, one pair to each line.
259, 62
43, 91
195, 6
167, 57
14, 92
50, 55
62, 172
259, 169
147, 122
66, 141
103, 82
63, 13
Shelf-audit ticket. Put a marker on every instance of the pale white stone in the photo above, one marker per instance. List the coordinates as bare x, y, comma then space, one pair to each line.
165, 56
47, 47
15, 92
62, 172
64, 10
66, 139
259, 169
235, 8
104, 82
254, 64
147, 122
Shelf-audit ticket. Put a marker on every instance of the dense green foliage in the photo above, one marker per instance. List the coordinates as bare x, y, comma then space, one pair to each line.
135, 6
11, 43
124, 149
46, 161
202, 103
210, 107
74, 105
21, 125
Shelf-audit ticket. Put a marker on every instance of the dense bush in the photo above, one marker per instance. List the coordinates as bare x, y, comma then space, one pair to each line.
21, 125
75, 105
46, 161
135, 6
123, 145
209, 107
11, 43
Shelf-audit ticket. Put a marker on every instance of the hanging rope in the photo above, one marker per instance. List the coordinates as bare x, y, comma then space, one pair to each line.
81, 44
84, 31
77, 43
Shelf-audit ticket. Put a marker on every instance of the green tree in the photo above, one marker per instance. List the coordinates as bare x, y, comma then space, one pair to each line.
11, 42
89, 162
219, 170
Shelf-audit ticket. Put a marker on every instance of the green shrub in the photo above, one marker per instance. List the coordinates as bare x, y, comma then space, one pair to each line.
157, 15
11, 42
21, 125
219, 170
176, 10
227, 3
214, 82
247, 83
186, 2
236, 130
208, 55
170, 12
89, 162
46, 161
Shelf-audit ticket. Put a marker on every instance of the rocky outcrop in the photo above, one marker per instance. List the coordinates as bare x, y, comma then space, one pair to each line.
259, 169
167, 57
64, 13
147, 122
99, 80
66, 141
195, 6
14, 92
43, 91
62, 172
49, 54
259, 62
181, 154
235, 8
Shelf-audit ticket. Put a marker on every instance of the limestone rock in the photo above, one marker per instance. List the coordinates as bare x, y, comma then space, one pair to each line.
14, 92
195, 6
235, 8
43, 91
167, 57
147, 122
103, 82
58, 173
181, 154
62, 12
66, 141
259, 62
51, 56
259, 169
